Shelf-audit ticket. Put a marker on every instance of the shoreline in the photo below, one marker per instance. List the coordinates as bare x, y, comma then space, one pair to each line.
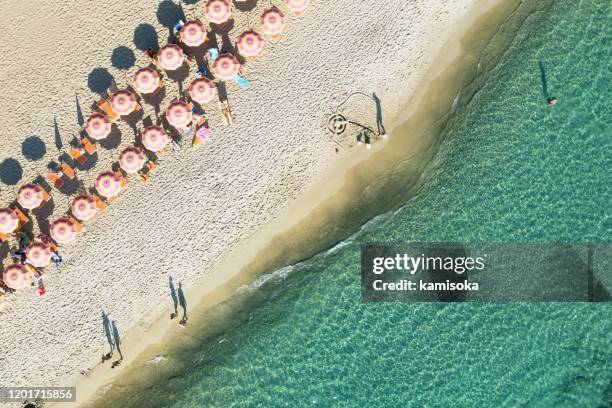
334, 188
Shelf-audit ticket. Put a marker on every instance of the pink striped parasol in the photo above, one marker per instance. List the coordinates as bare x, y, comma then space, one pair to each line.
84, 207
218, 11
225, 66
193, 33
16, 276
123, 102
146, 80
98, 126
131, 159
108, 184
250, 43
170, 57
38, 254
30, 196
272, 21
297, 6
8, 220
64, 230
155, 138
178, 114
202, 90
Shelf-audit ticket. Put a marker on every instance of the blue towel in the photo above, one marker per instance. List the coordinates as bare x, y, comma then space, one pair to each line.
243, 83
179, 26
213, 53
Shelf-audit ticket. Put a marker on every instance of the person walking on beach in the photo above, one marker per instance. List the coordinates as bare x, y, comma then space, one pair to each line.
379, 122
174, 298
183, 303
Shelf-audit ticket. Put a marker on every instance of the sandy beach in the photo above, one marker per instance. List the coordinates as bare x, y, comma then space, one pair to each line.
200, 204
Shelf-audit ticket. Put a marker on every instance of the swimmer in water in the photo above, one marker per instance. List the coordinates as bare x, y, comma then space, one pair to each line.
552, 100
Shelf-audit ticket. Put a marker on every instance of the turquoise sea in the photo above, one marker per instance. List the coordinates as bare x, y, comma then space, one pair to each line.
510, 169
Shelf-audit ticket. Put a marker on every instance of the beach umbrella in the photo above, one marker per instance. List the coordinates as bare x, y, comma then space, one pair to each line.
155, 138
297, 6
170, 57
123, 102
146, 80
98, 126
8, 220
64, 230
84, 207
30, 196
179, 114
131, 159
38, 254
16, 276
225, 66
108, 184
250, 43
193, 33
202, 90
272, 21
218, 11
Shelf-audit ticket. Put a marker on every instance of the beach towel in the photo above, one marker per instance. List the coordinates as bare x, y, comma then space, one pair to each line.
202, 135
243, 83
213, 53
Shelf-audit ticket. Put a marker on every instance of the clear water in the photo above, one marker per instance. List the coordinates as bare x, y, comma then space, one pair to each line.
511, 168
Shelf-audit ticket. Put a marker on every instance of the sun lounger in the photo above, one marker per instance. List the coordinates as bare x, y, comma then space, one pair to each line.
3, 236
46, 196
226, 114
100, 204
151, 165
119, 175
23, 219
242, 82
68, 171
56, 179
89, 147
78, 155
106, 108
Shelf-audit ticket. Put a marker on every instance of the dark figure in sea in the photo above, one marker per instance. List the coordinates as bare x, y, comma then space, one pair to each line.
379, 122
551, 101
183, 303
174, 298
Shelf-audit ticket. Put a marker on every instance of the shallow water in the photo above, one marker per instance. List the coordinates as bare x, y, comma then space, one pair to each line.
510, 168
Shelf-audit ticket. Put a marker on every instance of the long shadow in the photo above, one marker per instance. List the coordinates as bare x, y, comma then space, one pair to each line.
228, 45
543, 79
89, 164
156, 99
99, 80
107, 331
123, 58
117, 339
182, 302
379, 120
10, 171
173, 295
33, 148
145, 37
70, 186
179, 75
79, 112
222, 91
57, 135
245, 5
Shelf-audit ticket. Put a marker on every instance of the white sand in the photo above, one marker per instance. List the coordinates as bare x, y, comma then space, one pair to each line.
199, 203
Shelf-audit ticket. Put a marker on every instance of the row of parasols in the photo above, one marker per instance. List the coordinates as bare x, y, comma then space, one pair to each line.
154, 138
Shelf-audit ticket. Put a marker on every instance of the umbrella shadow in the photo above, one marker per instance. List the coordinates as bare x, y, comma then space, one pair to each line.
100, 80
168, 14
70, 186
113, 140
247, 5
146, 37
123, 58
11, 172
33, 148
543, 79
222, 91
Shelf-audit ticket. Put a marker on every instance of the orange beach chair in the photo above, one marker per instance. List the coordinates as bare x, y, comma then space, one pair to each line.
88, 146
107, 109
68, 171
